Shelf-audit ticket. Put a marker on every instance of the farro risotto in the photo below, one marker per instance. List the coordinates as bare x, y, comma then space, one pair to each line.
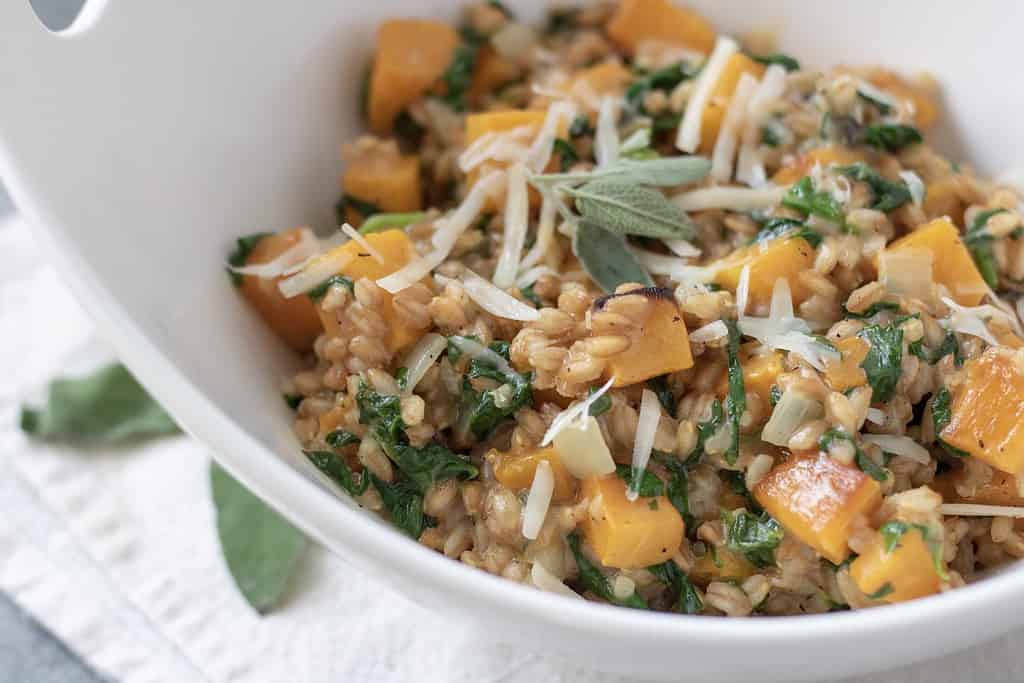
642, 313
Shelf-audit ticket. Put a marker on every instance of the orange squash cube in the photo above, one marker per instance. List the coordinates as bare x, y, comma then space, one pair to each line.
629, 534
1001, 489
385, 179
636, 21
607, 78
294, 320
662, 345
952, 264
721, 96
846, 373
515, 471
906, 573
987, 417
478, 125
721, 564
397, 250
411, 57
822, 156
942, 199
817, 499
782, 257
760, 372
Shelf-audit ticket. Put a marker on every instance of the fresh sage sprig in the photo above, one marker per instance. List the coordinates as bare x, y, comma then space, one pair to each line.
628, 209
661, 172
606, 257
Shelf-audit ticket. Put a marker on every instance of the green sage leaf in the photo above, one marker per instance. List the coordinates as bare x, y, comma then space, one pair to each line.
628, 209
606, 258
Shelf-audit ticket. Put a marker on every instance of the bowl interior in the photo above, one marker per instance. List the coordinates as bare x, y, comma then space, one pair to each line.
149, 135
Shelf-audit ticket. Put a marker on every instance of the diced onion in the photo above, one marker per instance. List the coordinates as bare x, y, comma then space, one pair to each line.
915, 185
362, 242
306, 247
538, 500
900, 445
970, 510
876, 416
582, 449
421, 358
728, 135
540, 151
316, 271
710, 332
791, 412
546, 581
907, 272
495, 301
749, 167
606, 137
688, 137
517, 209
646, 429
732, 198
743, 291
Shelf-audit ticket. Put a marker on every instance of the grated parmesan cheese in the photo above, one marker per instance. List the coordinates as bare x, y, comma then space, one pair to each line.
743, 291
688, 137
305, 248
353, 234
546, 581
495, 301
710, 332
421, 358
606, 137
538, 500
728, 136
508, 146
643, 442
545, 232
970, 510
517, 210
915, 185
900, 445
540, 152
732, 198
750, 167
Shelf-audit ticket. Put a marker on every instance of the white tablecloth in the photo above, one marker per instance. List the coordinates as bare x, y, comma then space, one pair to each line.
116, 553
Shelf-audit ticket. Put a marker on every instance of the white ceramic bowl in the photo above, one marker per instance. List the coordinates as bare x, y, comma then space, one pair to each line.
149, 134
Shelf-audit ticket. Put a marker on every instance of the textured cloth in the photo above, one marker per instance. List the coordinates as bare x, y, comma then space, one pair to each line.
116, 553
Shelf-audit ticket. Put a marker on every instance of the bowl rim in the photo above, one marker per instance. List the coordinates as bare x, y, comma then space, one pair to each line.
344, 528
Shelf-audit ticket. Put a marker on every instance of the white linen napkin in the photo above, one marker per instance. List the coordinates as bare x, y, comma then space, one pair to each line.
116, 553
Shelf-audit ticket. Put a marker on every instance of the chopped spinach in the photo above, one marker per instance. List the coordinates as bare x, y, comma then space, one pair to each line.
659, 385
881, 592
649, 486
707, 429
872, 310
580, 126
454, 351
402, 377
664, 79
240, 254
561, 19
687, 599
774, 394
404, 502
942, 413
503, 8
891, 137
320, 291
770, 137
736, 402
979, 242
481, 411
802, 197
292, 400
335, 467
755, 537
790, 228
531, 295
888, 196
566, 153
594, 580
601, 406
949, 345
361, 206
863, 462
408, 132
783, 60
884, 359
340, 438
677, 487
459, 75
882, 107
893, 530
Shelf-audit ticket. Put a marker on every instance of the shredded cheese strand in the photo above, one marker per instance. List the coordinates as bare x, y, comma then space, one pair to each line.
643, 443
354, 235
495, 301
688, 137
733, 198
725, 146
517, 210
606, 137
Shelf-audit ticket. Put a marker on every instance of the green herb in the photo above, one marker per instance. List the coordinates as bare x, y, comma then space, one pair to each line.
707, 429
677, 486
891, 137
942, 413
687, 600
360, 206
892, 531
755, 537
340, 438
949, 345
649, 486
601, 406
454, 350
566, 154
790, 228
561, 19
783, 60
402, 377
663, 122
335, 467
240, 254
979, 242
481, 411
659, 385
884, 359
292, 400
736, 402
106, 407
320, 291
531, 295
606, 258
260, 547
423, 466
390, 221
770, 137
404, 503
580, 126
503, 8
882, 107
408, 132
627, 209
863, 462
664, 79
803, 198
881, 592
888, 196
872, 310
657, 172
774, 394
459, 75
594, 580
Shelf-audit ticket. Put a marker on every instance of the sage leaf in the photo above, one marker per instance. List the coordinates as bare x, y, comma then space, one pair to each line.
660, 172
260, 547
631, 210
107, 407
606, 258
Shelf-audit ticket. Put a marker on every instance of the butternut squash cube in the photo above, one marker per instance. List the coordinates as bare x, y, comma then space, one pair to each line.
817, 499
411, 56
952, 264
294, 320
607, 78
636, 21
822, 156
721, 95
478, 125
515, 471
629, 534
782, 257
397, 250
987, 415
846, 373
1001, 489
660, 346
760, 372
721, 564
906, 573
942, 199
385, 179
